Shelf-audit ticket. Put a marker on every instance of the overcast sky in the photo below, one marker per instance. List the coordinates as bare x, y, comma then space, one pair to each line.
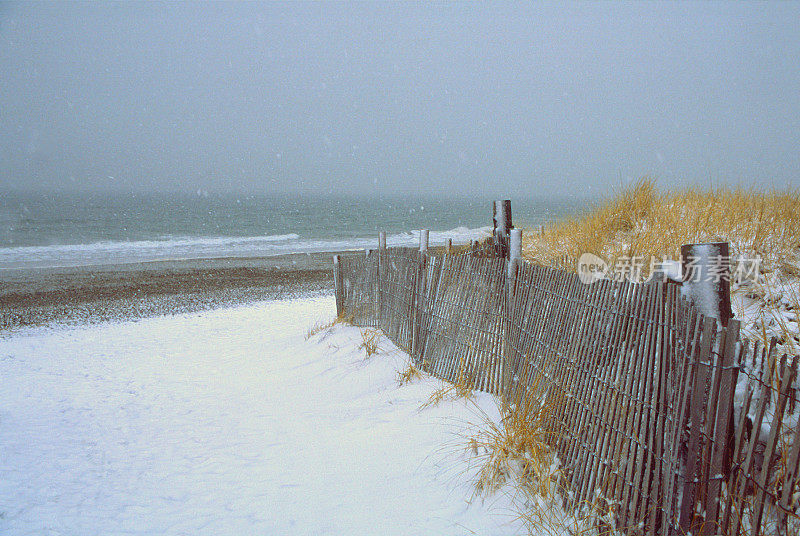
491, 99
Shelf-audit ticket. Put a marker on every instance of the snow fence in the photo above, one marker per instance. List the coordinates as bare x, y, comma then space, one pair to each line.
659, 416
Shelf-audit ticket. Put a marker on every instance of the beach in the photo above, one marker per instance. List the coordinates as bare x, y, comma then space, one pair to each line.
74, 295
233, 421
201, 397
214, 396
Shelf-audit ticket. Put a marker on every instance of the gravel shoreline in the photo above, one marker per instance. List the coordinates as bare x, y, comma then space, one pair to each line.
91, 294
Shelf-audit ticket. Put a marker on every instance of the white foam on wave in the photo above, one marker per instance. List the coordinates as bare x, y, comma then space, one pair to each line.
166, 243
185, 247
459, 235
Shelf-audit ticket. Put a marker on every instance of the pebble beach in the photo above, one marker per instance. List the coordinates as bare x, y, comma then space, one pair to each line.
90, 294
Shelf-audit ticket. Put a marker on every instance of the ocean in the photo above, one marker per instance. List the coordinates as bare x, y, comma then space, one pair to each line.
70, 229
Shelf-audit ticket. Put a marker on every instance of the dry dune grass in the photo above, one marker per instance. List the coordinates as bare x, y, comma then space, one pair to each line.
462, 388
408, 375
370, 339
643, 221
516, 446
319, 327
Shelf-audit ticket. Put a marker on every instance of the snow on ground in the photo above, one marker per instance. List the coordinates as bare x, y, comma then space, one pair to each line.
229, 422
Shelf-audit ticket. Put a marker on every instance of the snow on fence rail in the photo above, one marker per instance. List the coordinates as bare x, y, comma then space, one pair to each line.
640, 389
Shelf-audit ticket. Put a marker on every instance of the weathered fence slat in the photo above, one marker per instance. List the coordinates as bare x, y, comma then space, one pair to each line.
724, 392
702, 358
787, 376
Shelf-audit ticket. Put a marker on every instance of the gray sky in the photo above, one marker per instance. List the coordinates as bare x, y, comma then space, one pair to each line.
489, 99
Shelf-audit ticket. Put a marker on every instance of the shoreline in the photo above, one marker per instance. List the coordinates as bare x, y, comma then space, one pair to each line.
91, 294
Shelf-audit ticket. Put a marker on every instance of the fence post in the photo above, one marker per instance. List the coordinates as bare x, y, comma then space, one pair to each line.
379, 275
422, 285
706, 278
514, 248
502, 226
337, 283
416, 300
515, 257
449, 246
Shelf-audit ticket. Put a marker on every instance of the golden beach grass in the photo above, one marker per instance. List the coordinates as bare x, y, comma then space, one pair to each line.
643, 221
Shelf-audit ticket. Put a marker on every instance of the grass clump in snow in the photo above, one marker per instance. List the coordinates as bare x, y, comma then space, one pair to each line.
345, 318
319, 327
515, 446
461, 388
447, 391
326, 325
369, 342
515, 457
410, 374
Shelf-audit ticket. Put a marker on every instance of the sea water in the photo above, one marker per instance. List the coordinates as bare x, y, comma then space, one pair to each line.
70, 229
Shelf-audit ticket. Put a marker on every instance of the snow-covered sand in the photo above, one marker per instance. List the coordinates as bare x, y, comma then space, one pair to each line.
229, 422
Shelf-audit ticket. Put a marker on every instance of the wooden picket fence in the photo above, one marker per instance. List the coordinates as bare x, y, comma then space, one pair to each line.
639, 388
